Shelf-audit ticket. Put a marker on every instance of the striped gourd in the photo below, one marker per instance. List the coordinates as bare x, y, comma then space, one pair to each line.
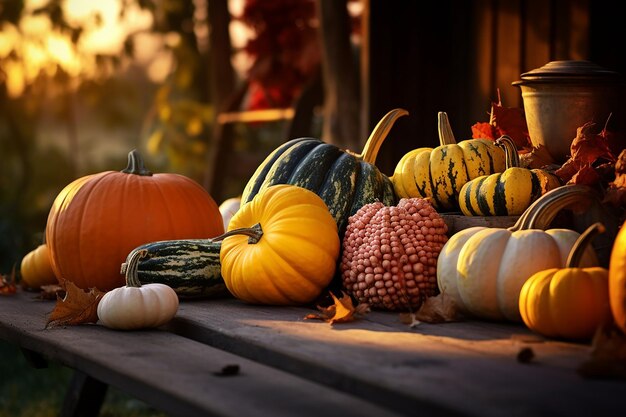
190, 266
439, 173
508, 193
344, 180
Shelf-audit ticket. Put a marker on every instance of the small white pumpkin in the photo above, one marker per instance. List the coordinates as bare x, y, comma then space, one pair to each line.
137, 306
228, 208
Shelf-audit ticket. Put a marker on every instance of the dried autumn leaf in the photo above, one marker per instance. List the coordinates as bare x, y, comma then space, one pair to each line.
342, 310
483, 130
511, 121
77, 307
616, 191
438, 309
608, 355
538, 157
51, 292
587, 151
7, 283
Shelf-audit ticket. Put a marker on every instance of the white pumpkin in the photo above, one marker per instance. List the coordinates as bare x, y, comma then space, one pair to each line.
228, 208
483, 269
137, 306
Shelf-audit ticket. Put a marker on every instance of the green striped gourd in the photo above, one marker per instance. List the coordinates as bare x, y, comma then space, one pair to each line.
344, 180
508, 193
439, 173
190, 266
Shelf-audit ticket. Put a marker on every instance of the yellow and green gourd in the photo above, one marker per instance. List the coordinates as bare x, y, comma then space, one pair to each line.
506, 193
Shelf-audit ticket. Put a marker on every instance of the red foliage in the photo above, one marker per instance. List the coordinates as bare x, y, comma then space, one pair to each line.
510, 121
285, 50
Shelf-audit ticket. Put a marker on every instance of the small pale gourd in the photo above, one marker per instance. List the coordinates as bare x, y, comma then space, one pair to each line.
135, 306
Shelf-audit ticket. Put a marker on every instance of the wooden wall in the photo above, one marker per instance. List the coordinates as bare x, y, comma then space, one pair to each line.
456, 56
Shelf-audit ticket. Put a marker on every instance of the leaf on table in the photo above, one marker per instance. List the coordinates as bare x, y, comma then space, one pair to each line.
7, 283
436, 309
342, 310
51, 292
608, 355
77, 307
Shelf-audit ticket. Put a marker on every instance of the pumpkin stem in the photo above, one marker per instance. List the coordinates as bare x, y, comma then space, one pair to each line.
129, 268
542, 212
510, 151
446, 136
254, 234
378, 135
583, 241
136, 165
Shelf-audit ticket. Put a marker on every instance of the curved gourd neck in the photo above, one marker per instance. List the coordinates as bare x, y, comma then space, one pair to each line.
136, 165
542, 212
254, 234
446, 136
378, 136
129, 268
510, 151
582, 243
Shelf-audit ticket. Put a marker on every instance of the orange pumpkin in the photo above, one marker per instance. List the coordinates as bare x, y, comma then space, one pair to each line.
617, 279
98, 219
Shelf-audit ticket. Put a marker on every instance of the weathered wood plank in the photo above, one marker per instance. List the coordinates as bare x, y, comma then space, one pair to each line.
466, 368
175, 374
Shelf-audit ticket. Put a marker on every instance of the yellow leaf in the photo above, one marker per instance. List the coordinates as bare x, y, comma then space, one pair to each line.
343, 310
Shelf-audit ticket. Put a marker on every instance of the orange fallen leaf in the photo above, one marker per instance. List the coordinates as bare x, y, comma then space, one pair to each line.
342, 310
77, 307
7, 283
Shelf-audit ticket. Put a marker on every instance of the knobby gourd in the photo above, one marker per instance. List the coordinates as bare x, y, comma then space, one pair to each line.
570, 302
483, 269
189, 266
281, 247
506, 193
389, 255
135, 306
344, 180
36, 269
441, 172
96, 220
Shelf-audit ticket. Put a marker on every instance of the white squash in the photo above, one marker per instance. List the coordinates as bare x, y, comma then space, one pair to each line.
483, 269
137, 306
228, 208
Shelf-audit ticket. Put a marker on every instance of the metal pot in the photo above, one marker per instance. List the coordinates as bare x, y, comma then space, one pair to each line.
562, 96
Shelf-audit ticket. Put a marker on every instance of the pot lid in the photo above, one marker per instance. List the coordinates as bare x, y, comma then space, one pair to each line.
569, 71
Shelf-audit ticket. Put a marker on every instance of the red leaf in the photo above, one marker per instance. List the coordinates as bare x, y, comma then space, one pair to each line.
483, 130
511, 121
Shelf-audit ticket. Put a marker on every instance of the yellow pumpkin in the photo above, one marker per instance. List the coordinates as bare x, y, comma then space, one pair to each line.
281, 247
36, 269
570, 302
483, 269
617, 279
506, 193
439, 173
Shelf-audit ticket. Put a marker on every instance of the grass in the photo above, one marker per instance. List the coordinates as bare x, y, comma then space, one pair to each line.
29, 392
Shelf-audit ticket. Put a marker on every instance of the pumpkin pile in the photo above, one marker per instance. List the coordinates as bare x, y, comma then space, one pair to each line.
313, 212
390, 253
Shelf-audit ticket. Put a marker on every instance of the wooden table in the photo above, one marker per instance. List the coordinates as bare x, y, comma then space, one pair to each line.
289, 366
